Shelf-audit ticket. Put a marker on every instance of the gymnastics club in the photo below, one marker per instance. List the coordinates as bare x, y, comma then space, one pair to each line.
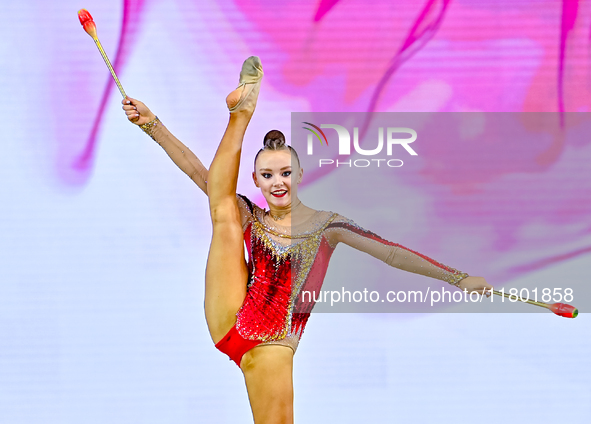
90, 28
562, 309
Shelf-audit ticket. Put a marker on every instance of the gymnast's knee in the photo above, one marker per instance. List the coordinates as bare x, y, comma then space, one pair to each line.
225, 211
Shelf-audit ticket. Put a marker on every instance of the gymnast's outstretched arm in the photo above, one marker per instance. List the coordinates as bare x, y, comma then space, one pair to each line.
181, 155
343, 230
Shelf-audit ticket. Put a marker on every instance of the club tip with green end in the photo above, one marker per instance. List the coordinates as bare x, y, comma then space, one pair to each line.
564, 310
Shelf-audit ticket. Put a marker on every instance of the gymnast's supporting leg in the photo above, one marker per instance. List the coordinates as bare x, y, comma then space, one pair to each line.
268, 373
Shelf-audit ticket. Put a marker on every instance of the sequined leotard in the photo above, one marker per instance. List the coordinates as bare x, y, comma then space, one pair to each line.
286, 261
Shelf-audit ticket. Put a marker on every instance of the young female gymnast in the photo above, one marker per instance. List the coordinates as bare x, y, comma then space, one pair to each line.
254, 311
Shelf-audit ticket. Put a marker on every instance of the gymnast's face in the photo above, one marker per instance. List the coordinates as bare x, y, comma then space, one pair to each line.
277, 174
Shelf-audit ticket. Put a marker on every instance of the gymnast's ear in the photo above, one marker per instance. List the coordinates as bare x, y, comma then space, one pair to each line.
254, 178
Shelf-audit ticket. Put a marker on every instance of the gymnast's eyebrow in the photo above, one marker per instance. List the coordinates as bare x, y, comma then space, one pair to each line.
267, 169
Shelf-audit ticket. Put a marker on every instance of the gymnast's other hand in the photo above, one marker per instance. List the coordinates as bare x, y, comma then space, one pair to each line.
136, 111
476, 284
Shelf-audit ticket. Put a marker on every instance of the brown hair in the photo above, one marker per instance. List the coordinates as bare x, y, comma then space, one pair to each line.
275, 140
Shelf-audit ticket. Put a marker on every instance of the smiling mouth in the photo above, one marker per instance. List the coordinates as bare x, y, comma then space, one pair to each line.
279, 193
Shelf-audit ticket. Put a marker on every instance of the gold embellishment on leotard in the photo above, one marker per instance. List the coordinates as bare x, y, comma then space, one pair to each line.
455, 279
304, 251
148, 127
299, 236
302, 255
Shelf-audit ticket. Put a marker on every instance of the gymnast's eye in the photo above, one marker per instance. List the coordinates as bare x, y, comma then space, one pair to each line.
287, 173
266, 175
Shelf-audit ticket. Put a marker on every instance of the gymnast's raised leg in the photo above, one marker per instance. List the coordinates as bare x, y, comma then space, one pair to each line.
267, 369
226, 273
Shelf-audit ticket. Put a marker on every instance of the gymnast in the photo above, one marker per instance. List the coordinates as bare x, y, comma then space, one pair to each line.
255, 310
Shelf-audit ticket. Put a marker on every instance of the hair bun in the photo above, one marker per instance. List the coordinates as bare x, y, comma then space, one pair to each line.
274, 140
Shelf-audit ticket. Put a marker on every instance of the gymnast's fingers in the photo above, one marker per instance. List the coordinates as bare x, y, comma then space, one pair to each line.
130, 101
486, 290
136, 111
132, 115
129, 108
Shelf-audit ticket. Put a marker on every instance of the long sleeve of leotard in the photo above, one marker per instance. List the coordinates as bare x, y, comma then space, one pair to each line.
182, 156
190, 164
343, 230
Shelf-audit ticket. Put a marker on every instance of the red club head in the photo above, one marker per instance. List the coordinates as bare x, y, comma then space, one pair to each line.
87, 22
564, 310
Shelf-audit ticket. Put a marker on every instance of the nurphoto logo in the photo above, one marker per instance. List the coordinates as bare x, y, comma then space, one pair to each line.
389, 137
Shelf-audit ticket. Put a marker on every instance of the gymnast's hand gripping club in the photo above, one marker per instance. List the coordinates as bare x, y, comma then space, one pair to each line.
90, 28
